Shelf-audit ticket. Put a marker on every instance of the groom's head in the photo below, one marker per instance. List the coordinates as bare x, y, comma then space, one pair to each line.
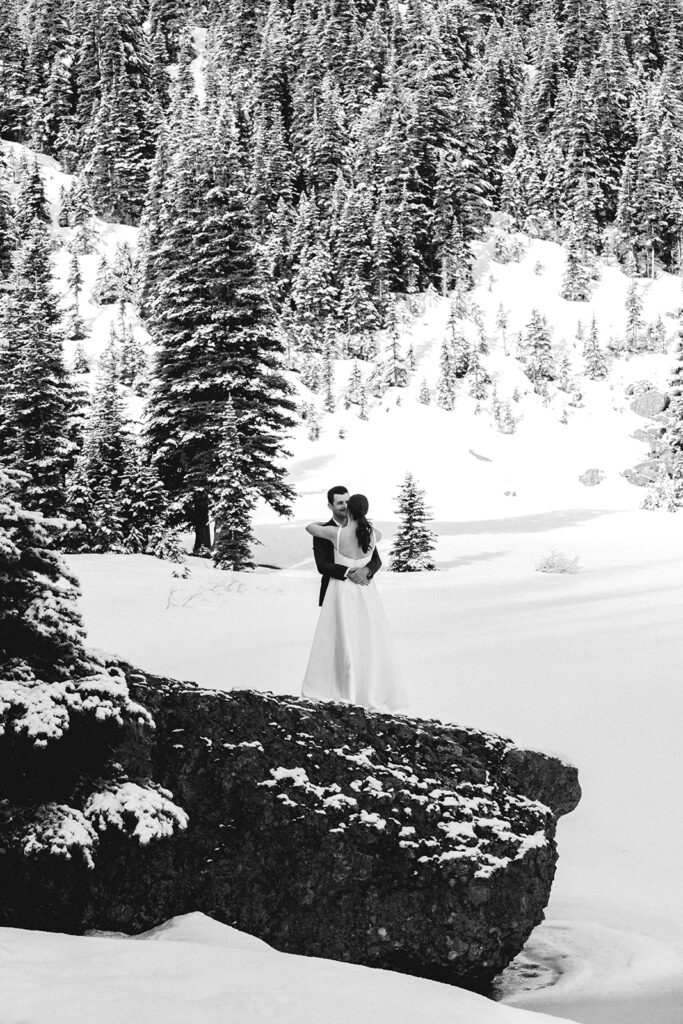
337, 498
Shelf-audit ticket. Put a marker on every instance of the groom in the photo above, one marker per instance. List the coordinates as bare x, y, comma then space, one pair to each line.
323, 550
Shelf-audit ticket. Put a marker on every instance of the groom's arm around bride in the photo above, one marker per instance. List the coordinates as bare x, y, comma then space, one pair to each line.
323, 552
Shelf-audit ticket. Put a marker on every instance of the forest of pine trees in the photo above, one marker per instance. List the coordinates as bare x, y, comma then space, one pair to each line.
330, 156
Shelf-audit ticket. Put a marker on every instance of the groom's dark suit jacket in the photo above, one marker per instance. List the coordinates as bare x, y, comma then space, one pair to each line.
323, 551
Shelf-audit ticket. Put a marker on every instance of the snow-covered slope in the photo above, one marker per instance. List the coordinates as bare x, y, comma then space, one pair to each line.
467, 466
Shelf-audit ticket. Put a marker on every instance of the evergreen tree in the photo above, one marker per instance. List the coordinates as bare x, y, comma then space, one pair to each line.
634, 320
34, 388
576, 282
30, 203
7, 229
395, 366
81, 363
60, 700
596, 364
214, 331
233, 500
502, 323
445, 385
478, 378
106, 445
539, 362
74, 280
425, 395
328, 380
122, 120
105, 290
414, 541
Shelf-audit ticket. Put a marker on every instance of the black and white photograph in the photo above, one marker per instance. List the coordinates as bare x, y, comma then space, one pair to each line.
341, 511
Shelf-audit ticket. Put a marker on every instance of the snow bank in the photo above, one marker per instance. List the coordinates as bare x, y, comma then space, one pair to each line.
193, 969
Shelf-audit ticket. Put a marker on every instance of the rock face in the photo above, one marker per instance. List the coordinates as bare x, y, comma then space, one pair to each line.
329, 831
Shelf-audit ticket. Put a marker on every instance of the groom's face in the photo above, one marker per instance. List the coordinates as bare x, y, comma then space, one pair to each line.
338, 507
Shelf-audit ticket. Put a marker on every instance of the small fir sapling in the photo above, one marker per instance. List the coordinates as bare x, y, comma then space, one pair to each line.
414, 542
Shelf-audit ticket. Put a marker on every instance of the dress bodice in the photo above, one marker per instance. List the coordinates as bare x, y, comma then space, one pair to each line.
351, 563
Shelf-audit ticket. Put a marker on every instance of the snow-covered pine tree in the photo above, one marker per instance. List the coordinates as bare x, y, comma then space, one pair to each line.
7, 228
233, 499
64, 210
105, 291
414, 542
355, 389
576, 282
328, 380
105, 454
30, 202
595, 361
81, 363
395, 363
124, 113
478, 377
214, 329
410, 360
446, 382
313, 432
124, 274
133, 361
502, 324
425, 395
34, 383
564, 373
83, 219
634, 318
74, 280
62, 712
539, 363
140, 501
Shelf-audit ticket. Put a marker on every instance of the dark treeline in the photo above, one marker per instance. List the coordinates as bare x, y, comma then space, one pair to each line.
336, 153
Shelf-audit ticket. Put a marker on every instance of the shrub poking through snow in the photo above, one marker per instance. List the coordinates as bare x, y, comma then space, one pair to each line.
62, 710
557, 561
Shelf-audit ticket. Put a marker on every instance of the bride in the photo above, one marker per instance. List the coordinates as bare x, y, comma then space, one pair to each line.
352, 658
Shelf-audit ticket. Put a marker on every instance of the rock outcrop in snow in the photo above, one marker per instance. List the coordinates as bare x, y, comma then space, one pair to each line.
326, 830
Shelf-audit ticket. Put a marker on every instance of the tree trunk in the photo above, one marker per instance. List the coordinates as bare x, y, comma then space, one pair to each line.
200, 521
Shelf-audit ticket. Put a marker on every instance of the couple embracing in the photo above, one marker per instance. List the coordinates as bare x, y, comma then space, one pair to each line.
352, 658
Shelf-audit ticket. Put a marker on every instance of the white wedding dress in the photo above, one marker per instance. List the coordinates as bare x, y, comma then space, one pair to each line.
352, 658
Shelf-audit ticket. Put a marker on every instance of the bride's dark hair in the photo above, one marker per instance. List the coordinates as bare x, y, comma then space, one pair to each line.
358, 506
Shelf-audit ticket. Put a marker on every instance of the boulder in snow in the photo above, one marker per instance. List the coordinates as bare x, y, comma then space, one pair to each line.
330, 831
649, 403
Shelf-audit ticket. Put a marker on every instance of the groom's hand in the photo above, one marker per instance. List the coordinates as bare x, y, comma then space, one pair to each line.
360, 576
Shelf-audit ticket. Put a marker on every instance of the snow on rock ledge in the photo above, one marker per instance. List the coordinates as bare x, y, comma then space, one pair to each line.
326, 830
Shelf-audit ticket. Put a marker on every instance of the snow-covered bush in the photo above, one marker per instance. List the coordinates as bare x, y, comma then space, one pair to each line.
557, 561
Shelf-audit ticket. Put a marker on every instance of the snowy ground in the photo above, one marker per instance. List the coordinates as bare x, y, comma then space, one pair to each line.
583, 665
195, 971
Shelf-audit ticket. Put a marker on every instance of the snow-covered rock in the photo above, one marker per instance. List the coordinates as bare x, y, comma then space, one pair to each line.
330, 831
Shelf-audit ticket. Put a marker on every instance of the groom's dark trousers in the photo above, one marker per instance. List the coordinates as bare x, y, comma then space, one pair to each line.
323, 552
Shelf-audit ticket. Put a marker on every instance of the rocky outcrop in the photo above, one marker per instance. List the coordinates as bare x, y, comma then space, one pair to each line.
329, 831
